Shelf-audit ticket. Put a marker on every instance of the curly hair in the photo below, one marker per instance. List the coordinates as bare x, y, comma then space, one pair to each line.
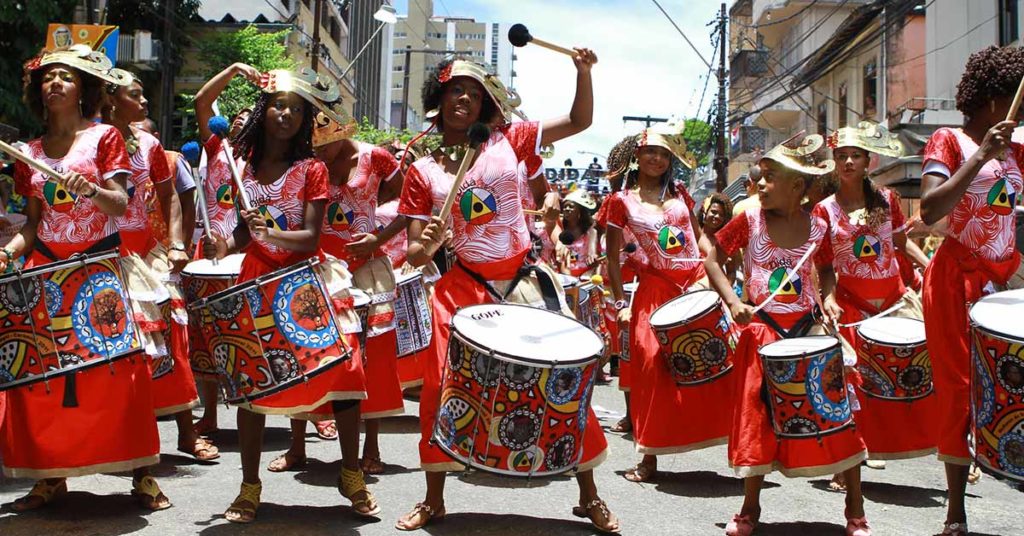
990, 73
433, 93
720, 199
621, 154
91, 92
249, 142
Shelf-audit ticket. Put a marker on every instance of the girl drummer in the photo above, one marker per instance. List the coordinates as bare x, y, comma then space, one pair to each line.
663, 222
778, 240
283, 177
865, 231
715, 214
972, 176
491, 240
577, 228
112, 428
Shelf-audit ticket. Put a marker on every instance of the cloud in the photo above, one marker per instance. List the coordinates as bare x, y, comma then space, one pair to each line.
644, 66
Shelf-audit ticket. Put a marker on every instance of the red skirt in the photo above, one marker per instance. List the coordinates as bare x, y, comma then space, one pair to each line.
754, 449
410, 370
383, 386
669, 418
454, 290
615, 335
174, 390
111, 430
953, 281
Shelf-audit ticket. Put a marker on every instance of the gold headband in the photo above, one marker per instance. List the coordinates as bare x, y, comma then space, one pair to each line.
507, 100
801, 158
869, 136
84, 59
317, 90
669, 136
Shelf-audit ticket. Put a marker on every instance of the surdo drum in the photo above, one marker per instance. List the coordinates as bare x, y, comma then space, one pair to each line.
806, 386
412, 314
893, 359
696, 336
516, 390
202, 279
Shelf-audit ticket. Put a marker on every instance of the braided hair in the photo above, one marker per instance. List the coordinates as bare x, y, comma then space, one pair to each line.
249, 142
990, 73
621, 155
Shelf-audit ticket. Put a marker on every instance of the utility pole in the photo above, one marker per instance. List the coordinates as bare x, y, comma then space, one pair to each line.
167, 74
318, 9
646, 120
405, 87
721, 157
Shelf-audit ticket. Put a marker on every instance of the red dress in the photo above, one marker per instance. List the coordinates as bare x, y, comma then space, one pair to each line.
112, 429
410, 368
979, 248
218, 188
490, 238
657, 403
285, 201
869, 281
754, 449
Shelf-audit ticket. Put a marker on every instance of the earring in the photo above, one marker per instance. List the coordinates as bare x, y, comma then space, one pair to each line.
80, 112
992, 106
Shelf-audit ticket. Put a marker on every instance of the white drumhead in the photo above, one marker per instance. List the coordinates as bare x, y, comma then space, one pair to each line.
894, 331
228, 266
402, 279
528, 334
684, 308
798, 346
1001, 313
630, 287
568, 281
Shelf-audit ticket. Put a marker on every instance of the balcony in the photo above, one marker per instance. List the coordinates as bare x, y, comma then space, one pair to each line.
139, 50
748, 139
747, 64
776, 113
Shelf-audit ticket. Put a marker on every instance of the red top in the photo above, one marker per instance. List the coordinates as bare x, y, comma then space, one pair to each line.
601, 220
861, 249
218, 188
983, 219
149, 167
665, 236
397, 248
352, 207
68, 224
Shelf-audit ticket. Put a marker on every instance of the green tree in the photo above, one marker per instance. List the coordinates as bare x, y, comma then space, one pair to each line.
699, 137
368, 133
22, 34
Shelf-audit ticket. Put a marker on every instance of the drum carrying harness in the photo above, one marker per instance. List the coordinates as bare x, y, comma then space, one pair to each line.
544, 279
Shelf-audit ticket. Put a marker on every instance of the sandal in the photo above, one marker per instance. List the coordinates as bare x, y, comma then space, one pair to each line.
42, 493
857, 526
326, 430
955, 529
641, 473
974, 474
426, 513
149, 495
351, 483
202, 450
284, 463
740, 526
838, 483
624, 426
372, 466
205, 429
586, 511
249, 494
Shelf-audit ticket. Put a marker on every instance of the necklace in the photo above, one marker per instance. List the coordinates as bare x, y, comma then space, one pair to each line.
131, 143
455, 152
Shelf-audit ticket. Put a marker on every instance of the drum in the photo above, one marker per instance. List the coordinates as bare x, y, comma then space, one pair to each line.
273, 332
64, 317
412, 314
201, 279
806, 386
997, 384
571, 287
628, 289
696, 336
893, 359
516, 392
361, 304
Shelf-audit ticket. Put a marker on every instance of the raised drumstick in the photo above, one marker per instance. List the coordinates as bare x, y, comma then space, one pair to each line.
519, 36
31, 162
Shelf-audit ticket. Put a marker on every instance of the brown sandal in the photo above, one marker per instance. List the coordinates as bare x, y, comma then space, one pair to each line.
203, 450
641, 473
587, 511
428, 513
624, 426
372, 466
249, 494
149, 495
284, 463
42, 494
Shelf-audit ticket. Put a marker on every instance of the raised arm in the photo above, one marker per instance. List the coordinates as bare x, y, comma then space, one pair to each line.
213, 88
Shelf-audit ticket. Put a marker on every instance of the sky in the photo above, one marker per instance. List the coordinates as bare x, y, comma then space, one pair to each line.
644, 66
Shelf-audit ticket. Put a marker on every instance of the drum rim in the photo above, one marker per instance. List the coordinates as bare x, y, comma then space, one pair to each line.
519, 360
61, 373
998, 473
256, 282
888, 344
842, 427
407, 278
503, 472
77, 259
677, 323
999, 334
248, 400
898, 399
185, 270
830, 347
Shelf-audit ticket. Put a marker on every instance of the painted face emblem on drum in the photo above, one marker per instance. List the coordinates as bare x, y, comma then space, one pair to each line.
516, 392
892, 357
101, 318
806, 387
696, 337
20, 297
302, 312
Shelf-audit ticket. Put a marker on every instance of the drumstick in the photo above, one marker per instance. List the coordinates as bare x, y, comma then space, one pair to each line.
219, 126
31, 162
519, 36
191, 153
529, 212
478, 133
785, 279
1015, 107
884, 313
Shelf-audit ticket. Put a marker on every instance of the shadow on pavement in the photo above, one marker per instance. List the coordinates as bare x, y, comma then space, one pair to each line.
795, 527
480, 478
895, 494
472, 523
702, 484
291, 519
400, 424
79, 512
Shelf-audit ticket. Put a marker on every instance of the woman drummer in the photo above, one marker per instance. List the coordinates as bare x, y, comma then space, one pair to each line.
715, 214
491, 243
577, 228
972, 176
283, 177
112, 429
663, 222
865, 231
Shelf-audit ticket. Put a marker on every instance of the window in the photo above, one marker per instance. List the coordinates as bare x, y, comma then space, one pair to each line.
400, 35
398, 68
287, 5
1009, 12
844, 106
870, 90
397, 85
335, 31
823, 118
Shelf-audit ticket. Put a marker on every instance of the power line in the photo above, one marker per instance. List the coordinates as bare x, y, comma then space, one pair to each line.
678, 29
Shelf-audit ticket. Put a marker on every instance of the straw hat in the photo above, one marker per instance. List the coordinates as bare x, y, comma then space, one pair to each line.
801, 158
507, 100
84, 59
669, 136
869, 136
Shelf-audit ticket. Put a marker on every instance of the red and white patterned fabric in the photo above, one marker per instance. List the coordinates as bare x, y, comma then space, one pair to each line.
579, 251
218, 187
666, 236
857, 248
68, 224
765, 264
983, 218
487, 219
149, 167
283, 202
397, 247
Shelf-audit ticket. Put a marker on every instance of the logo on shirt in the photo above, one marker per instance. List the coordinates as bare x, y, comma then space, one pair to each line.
224, 199
787, 282
671, 239
59, 197
867, 248
1002, 198
340, 217
478, 206
274, 218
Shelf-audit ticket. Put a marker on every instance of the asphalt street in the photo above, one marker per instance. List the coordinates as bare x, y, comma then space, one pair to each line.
694, 493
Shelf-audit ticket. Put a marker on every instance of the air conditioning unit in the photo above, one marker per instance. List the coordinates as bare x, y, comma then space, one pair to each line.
139, 49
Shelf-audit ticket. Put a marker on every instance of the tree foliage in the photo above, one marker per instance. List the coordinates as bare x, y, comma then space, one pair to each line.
370, 134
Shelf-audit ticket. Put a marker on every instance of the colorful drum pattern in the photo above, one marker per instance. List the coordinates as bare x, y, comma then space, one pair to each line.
202, 279
516, 390
412, 314
893, 359
268, 334
696, 336
997, 384
63, 317
806, 386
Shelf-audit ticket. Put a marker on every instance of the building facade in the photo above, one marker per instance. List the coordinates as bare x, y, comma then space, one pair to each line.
369, 76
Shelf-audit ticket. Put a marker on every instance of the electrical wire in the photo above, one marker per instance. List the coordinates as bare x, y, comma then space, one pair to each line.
678, 29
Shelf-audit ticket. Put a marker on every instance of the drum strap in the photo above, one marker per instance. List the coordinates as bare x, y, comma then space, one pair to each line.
110, 242
545, 281
801, 328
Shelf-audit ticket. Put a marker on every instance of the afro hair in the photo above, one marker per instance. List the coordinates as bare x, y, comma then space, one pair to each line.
990, 73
